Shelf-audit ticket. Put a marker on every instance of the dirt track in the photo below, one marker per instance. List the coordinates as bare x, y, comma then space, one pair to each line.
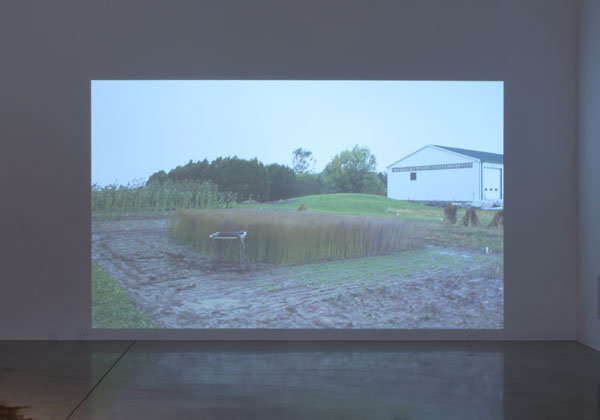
175, 287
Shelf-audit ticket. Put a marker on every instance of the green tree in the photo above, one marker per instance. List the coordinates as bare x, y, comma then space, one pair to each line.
247, 178
353, 171
282, 180
383, 177
240, 178
310, 184
303, 161
157, 178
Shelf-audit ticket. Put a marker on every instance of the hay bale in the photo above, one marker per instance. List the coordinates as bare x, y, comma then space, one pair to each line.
498, 219
302, 207
450, 214
470, 218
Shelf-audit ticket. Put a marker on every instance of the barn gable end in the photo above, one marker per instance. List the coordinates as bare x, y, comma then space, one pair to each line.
446, 174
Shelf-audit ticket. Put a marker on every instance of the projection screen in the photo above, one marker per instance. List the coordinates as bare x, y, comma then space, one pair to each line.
286, 204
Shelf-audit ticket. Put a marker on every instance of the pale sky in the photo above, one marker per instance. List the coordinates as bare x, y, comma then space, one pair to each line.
140, 127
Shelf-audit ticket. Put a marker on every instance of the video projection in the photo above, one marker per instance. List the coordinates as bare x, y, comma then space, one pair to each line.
286, 204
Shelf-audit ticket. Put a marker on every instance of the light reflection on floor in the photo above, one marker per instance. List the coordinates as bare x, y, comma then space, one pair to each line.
410, 380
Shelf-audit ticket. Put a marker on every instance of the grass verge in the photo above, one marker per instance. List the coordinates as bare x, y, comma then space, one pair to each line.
112, 307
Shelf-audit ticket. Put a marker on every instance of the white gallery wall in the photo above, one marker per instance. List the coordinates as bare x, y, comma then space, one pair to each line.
589, 174
50, 51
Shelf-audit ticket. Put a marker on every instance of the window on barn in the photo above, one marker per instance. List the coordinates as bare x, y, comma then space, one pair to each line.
413, 176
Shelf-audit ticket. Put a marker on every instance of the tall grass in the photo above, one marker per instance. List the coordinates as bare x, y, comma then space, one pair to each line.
136, 196
287, 237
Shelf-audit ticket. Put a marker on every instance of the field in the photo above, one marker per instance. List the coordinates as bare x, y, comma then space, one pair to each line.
321, 268
291, 237
364, 205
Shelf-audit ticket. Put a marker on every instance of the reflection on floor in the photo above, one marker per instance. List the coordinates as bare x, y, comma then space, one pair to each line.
266, 380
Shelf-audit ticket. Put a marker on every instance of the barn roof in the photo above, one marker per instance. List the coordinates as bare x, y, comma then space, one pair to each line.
483, 156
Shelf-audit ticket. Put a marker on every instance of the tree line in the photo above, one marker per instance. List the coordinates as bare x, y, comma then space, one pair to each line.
350, 171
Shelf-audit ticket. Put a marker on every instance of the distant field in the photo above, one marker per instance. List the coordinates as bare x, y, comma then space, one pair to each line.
367, 205
353, 204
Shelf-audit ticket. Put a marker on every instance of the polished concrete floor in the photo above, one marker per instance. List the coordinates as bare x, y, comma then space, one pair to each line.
203, 380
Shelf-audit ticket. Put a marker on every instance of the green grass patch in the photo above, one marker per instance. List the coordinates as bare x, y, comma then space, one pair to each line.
356, 204
112, 307
368, 205
370, 269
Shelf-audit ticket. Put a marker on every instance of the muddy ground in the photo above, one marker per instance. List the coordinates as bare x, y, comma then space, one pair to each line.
434, 287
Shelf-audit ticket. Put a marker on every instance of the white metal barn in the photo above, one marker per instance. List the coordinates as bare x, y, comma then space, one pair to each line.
447, 174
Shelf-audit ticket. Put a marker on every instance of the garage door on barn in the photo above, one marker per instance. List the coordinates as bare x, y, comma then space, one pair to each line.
492, 184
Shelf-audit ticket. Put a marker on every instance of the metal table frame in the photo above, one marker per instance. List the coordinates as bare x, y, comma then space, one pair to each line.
240, 236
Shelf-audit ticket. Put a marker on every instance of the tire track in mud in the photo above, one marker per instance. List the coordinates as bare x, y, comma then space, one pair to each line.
176, 288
